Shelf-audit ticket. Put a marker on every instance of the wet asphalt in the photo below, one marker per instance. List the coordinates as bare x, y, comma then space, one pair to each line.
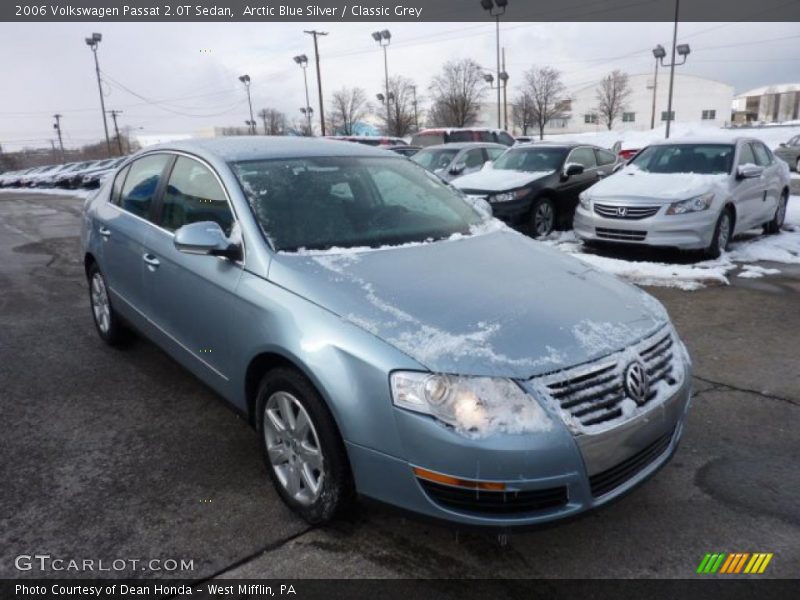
112, 454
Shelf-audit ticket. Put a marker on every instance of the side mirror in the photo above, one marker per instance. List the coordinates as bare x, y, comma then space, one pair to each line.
458, 168
206, 237
480, 205
749, 171
571, 169
783, 144
489, 164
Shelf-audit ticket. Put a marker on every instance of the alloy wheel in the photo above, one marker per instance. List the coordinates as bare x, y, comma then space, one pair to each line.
100, 305
293, 447
543, 219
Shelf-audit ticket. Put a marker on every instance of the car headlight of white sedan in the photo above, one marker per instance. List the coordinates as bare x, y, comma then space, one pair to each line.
696, 204
473, 406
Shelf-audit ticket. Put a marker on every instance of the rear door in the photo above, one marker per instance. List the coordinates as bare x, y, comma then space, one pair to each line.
772, 180
748, 194
193, 295
125, 224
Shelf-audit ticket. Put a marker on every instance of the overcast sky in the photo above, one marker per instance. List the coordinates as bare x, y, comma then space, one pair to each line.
47, 68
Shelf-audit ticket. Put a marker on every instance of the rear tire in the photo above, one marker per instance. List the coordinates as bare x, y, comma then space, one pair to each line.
302, 448
723, 231
109, 326
543, 218
776, 224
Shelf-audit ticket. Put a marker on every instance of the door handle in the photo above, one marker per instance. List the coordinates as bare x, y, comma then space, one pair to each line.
152, 262
104, 231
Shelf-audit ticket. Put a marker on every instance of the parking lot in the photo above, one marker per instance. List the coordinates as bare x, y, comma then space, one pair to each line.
113, 454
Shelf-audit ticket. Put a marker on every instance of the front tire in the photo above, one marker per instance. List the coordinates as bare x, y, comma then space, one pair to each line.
543, 218
302, 448
723, 231
108, 324
776, 224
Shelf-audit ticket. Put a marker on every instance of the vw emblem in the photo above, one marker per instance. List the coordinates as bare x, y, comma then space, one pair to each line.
622, 211
637, 385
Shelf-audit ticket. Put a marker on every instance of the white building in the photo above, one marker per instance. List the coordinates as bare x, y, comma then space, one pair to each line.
769, 104
694, 99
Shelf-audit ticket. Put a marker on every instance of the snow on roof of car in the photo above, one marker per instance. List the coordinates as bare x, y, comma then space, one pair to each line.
250, 147
462, 145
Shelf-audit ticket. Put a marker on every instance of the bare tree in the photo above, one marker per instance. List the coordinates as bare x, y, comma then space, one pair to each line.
612, 97
401, 107
547, 94
348, 107
274, 121
456, 94
522, 112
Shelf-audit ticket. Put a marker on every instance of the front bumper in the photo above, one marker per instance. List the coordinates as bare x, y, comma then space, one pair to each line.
692, 231
549, 476
515, 212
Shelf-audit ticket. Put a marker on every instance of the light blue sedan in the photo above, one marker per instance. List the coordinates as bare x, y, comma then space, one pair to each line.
385, 337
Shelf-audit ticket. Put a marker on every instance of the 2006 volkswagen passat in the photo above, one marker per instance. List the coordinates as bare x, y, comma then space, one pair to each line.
385, 337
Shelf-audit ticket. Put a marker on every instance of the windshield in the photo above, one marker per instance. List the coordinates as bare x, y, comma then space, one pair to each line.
326, 202
434, 159
531, 159
704, 159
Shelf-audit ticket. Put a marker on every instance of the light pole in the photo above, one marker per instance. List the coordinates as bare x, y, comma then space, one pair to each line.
683, 50
302, 60
57, 127
501, 85
114, 114
504, 79
659, 53
245, 79
316, 34
92, 42
495, 9
308, 112
384, 38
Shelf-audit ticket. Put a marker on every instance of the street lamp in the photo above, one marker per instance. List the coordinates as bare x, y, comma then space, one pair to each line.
496, 8
658, 53
683, 50
384, 38
245, 79
92, 42
302, 60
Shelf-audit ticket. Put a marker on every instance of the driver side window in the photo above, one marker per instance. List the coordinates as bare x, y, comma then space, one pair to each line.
193, 194
746, 156
583, 156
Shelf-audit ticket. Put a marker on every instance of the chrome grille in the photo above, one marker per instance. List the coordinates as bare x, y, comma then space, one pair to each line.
593, 394
620, 234
612, 211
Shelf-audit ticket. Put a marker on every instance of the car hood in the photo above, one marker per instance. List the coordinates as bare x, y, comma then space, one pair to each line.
495, 304
632, 183
497, 180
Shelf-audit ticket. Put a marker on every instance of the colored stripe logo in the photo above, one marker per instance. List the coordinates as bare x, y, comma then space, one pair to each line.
734, 563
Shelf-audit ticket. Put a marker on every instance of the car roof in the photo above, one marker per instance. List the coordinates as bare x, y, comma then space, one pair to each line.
703, 140
242, 148
567, 145
463, 145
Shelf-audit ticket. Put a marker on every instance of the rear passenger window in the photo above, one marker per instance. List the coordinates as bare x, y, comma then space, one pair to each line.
141, 184
193, 194
116, 190
763, 158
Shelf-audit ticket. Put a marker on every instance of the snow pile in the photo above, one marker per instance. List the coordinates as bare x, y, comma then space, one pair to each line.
756, 272
782, 248
49, 192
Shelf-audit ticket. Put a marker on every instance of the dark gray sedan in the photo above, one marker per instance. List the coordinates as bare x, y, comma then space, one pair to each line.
449, 161
790, 153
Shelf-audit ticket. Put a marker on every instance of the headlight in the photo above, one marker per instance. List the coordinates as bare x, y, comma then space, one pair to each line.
509, 196
474, 406
695, 204
583, 198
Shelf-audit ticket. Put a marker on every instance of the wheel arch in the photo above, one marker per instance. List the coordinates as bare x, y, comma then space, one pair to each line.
88, 261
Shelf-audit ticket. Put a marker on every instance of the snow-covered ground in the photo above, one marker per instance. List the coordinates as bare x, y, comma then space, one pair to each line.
771, 136
744, 251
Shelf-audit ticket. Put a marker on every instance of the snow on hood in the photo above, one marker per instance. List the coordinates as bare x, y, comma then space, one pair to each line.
497, 304
497, 180
633, 183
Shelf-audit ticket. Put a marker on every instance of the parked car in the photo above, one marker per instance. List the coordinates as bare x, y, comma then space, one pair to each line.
31, 178
303, 280
624, 153
94, 177
524, 139
369, 140
449, 135
404, 150
450, 161
688, 194
9, 178
536, 186
789, 152
70, 178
